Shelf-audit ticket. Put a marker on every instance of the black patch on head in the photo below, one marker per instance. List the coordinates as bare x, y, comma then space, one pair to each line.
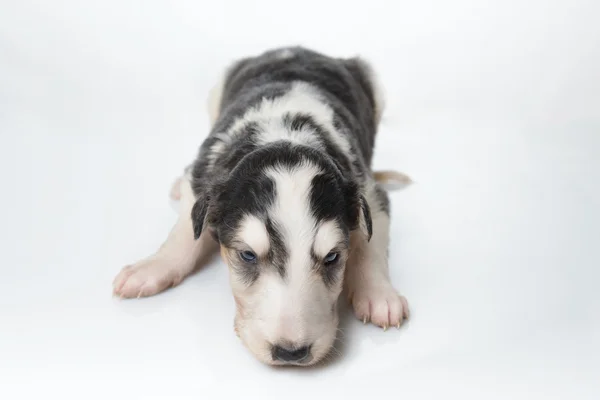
327, 200
334, 199
278, 254
248, 192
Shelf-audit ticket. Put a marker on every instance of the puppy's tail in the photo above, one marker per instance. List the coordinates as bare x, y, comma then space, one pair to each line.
392, 180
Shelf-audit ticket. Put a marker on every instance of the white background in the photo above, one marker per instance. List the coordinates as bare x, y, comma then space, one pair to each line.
493, 109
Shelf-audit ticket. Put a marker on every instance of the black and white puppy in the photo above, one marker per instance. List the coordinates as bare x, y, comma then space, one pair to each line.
283, 183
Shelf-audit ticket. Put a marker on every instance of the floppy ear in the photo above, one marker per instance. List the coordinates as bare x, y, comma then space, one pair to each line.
199, 215
365, 220
359, 210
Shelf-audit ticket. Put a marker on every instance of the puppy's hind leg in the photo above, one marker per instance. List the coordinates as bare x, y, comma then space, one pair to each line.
175, 259
175, 193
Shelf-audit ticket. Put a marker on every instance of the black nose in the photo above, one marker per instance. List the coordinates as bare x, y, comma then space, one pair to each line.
288, 354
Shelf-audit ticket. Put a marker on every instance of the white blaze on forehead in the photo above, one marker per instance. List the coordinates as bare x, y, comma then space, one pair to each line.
296, 307
292, 213
327, 237
254, 233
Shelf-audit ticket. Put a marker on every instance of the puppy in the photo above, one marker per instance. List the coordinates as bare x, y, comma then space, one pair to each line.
283, 185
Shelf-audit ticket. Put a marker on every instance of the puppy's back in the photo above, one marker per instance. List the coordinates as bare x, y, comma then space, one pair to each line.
348, 86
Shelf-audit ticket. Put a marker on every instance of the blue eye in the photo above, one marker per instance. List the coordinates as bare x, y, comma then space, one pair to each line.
248, 256
330, 258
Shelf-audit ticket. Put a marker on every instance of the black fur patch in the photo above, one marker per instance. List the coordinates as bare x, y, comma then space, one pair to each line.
235, 102
383, 200
301, 121
246, 193
278, 254
364, 205
198, 216
328, 201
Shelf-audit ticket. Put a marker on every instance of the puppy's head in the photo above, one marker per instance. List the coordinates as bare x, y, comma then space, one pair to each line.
283, 219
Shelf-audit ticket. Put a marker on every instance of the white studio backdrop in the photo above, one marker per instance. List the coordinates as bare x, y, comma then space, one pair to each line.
493, 108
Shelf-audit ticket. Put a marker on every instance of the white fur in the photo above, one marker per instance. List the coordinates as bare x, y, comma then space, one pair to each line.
302, 98
298, 315
176, 258
295, 309
224, 141
291, 212
275, 130
327, 237
285, 54
254, 233
367, 273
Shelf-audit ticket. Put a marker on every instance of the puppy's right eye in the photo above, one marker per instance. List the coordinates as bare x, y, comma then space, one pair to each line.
248, 256
331, 258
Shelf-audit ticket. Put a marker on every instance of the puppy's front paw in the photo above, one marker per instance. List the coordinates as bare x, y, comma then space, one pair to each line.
146, 278
380, 304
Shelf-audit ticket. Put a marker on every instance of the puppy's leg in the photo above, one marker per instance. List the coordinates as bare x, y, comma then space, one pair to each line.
367, 276
175, 193
174, 260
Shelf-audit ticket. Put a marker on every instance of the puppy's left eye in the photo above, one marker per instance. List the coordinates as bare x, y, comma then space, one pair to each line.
248, 256
330, 258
